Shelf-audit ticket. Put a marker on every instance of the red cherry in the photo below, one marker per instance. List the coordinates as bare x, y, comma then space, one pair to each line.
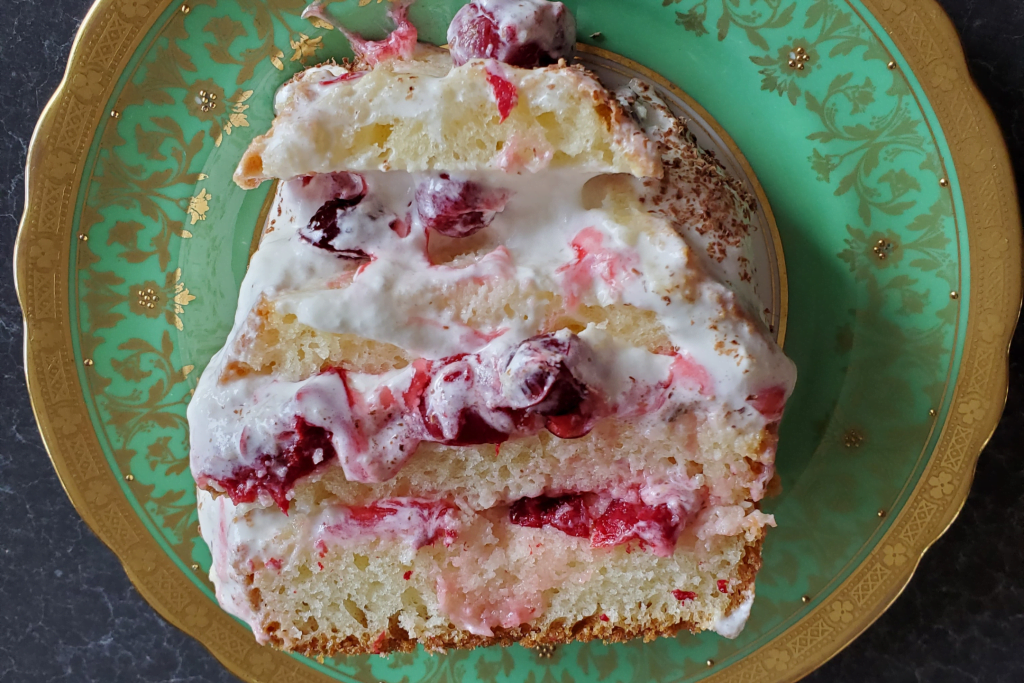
569, 426
539, 378
473, 33
505, 94
346, 224
566, 513
523, 33
624, 521
323, 228
457, 208
683, 596
276, 474
769, 402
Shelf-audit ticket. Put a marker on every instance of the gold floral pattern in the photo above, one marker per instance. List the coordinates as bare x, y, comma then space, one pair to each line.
89, 83
306, 47
198, 205
894, 554
841, 611
790, 63
206, 101
971, 410
133, 9
169, 300
777, 660
941, 485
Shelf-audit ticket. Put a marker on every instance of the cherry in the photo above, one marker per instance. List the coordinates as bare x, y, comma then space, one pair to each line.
457, 208
471, 430
339, 184
275, 474
461, 404
505, 94
683, 596
566, 513
538, 375
346, 224
569, 426
431, 518
473, 33
323, 227
523, 33
624, 521
446, 404
769, 402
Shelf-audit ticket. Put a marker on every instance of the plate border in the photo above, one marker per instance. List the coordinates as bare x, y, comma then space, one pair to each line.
927, 41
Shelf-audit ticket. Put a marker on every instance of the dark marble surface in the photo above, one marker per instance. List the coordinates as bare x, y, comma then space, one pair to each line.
69, 613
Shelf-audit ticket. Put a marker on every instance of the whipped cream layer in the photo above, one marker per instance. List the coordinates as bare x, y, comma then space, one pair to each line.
375, 278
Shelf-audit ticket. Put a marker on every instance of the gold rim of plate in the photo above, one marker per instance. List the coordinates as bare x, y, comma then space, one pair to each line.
927, 40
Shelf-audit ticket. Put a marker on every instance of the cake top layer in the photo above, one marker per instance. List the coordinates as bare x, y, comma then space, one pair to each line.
421, 114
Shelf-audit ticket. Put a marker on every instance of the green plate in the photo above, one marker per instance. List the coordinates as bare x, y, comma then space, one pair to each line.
894, 203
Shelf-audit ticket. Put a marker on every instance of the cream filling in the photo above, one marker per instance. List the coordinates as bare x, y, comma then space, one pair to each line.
731, 625
550, 241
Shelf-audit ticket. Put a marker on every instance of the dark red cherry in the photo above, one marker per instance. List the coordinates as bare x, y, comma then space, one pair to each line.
323, 228
624, 521
566, 513
346, 225
457, 208
539, 375
524, 33
301, 450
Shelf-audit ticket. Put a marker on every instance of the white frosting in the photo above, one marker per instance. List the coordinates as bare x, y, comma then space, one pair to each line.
230, 536
732, 625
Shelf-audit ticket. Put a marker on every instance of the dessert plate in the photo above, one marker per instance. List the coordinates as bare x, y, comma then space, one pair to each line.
897, 240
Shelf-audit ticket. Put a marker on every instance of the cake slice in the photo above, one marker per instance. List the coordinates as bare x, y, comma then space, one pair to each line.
467, 402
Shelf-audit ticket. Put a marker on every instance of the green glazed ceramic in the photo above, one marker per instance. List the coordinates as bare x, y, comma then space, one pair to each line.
894, 204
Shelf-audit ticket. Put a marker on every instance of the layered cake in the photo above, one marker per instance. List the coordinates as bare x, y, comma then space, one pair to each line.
485, 383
